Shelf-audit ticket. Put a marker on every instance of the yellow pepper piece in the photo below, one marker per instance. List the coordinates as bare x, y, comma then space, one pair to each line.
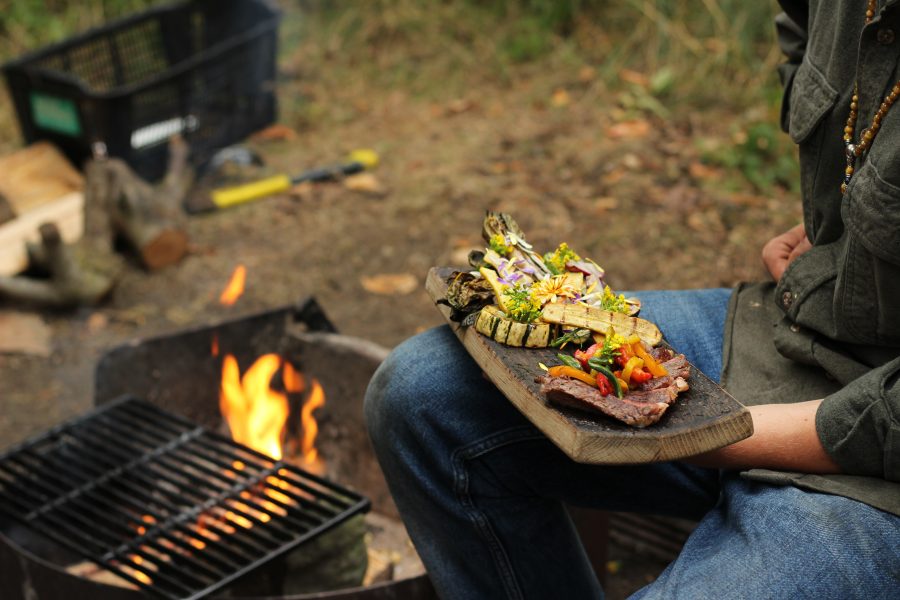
622, 385
633, 362
567, 371
656, 369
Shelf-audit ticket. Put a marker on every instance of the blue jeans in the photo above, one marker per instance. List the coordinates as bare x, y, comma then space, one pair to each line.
482, 491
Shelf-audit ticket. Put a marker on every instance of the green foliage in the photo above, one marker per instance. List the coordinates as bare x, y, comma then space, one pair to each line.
28, 24
762, 154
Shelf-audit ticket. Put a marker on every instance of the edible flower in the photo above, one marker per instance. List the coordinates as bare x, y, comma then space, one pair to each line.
499, 245
556, 260
520, 306
609, 301
552, 288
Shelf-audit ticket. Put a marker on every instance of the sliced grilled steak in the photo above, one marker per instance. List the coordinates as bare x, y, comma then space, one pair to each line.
679, 370
637, 408
677, 366
660, 353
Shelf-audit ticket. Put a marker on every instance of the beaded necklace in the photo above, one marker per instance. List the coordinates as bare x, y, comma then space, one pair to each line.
856, 150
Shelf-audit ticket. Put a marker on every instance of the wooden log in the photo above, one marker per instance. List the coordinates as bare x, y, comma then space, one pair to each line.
41, 186
149, 218
71, 281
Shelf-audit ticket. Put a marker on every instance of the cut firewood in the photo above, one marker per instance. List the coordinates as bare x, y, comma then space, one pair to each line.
148, 217
75, 277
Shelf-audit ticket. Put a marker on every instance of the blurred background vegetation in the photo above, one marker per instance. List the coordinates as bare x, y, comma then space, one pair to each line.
651, 57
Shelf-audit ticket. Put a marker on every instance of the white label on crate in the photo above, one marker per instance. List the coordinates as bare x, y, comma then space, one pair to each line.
155, 133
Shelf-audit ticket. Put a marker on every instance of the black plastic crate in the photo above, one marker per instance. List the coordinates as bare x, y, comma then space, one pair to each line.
202, 68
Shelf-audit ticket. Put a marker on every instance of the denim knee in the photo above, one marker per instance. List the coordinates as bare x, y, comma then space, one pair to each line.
407, 387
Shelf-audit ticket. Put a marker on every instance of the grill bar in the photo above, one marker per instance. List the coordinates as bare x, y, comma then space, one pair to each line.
169, 506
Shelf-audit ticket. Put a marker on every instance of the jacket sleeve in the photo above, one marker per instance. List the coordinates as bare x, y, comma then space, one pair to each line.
859, 425
790, 27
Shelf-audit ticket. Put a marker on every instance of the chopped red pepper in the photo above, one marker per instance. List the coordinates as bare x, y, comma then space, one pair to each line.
639, 375
624, 353
604, 385
584, 356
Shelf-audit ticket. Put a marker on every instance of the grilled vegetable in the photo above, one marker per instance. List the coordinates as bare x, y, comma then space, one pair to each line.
491, 276
595, 319
573, 373
494, 323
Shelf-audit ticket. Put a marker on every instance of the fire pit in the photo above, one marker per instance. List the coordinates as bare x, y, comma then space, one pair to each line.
319, 377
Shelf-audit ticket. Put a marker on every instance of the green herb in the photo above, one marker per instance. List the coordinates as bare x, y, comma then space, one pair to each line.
613, 303
556, 260
498, 244
520, 306
608, 352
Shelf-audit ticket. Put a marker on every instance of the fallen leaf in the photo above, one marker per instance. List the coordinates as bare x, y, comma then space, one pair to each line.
605, 203
460, 105
275, 133
587, 74
390, 284
365, 183
24, 333
698, 170
560, 98
635, 77
637, 128
631, 161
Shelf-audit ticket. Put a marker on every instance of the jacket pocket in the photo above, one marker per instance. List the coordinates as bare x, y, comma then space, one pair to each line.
811, 98
867, 290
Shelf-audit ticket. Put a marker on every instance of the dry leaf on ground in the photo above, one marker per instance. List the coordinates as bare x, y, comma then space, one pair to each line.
560, 98
637, 128
365, 183
635, 77
275, 133
390, 284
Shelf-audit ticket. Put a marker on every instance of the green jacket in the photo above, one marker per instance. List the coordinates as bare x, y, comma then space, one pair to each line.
831, 327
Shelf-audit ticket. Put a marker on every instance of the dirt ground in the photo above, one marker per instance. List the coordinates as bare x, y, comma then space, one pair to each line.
632, 192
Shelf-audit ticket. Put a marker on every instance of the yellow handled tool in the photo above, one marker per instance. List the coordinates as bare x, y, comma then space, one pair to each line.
358, 161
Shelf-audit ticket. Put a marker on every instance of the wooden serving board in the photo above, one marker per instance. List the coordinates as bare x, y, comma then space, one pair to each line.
704, 418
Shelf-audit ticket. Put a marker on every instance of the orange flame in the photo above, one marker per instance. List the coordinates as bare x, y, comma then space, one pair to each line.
295, 382
235, 287
255, 413
308, 449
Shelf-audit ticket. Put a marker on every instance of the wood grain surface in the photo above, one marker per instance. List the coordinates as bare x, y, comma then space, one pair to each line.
704, 418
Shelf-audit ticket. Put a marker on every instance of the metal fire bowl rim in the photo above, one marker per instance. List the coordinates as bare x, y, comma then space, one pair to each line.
419, 582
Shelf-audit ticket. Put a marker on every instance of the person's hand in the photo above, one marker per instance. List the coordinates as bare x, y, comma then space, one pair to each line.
781, 250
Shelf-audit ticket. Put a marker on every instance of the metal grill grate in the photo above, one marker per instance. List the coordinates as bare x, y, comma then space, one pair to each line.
167, 505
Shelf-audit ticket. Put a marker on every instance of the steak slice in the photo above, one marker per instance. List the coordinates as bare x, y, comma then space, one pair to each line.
677, 366
639, 409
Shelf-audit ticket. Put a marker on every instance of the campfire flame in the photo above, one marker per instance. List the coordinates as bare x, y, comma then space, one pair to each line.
235, 287
309, 454
255, 413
